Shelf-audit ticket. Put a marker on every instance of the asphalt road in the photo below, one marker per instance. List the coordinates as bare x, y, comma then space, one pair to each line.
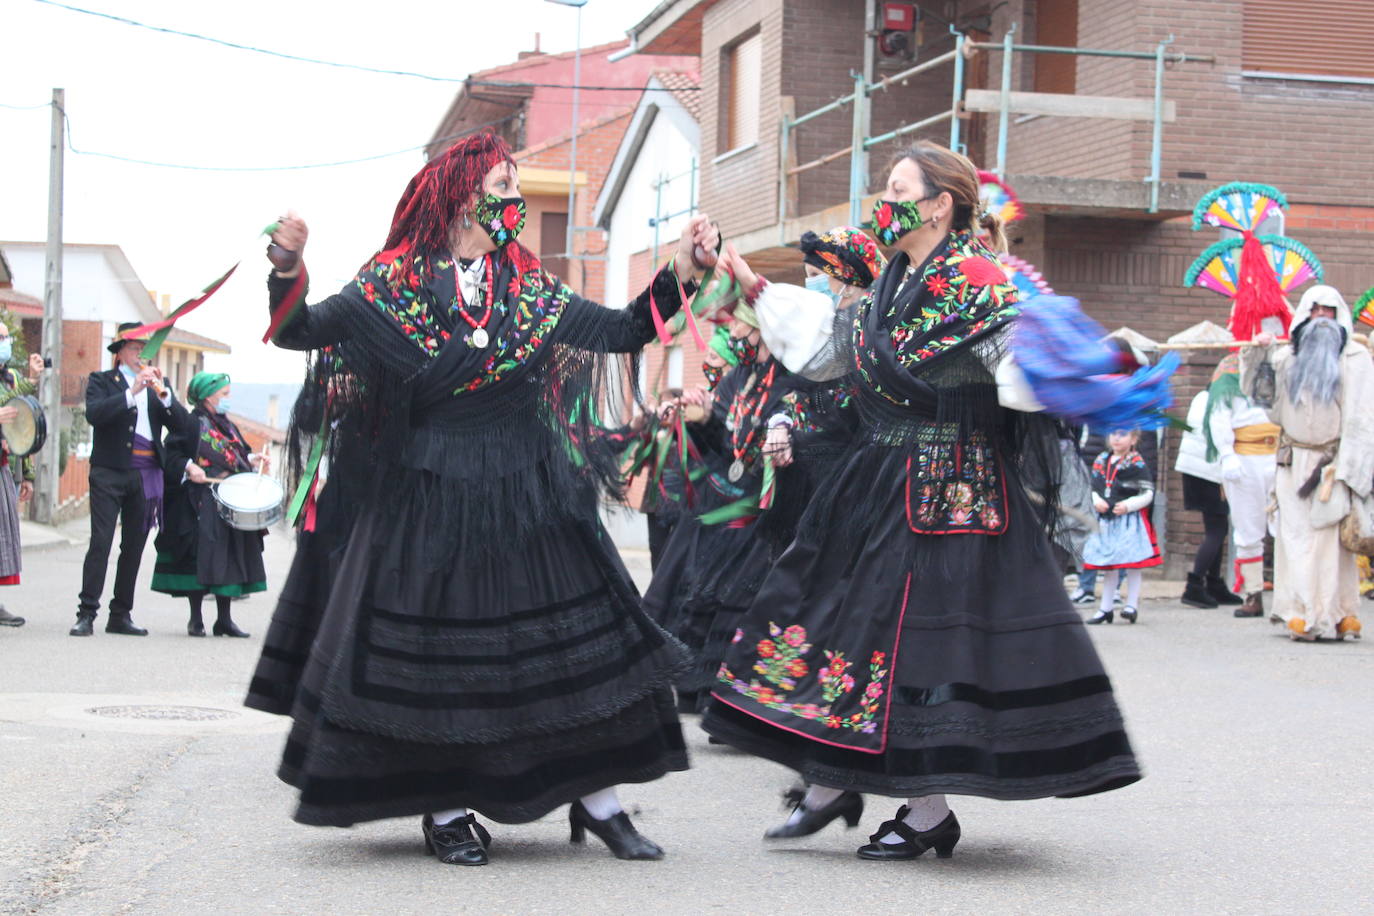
1257, 795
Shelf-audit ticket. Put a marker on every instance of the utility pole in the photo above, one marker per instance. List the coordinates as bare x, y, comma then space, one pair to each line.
50, 385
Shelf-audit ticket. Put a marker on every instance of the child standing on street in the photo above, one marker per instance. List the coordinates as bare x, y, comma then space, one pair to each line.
1125, 539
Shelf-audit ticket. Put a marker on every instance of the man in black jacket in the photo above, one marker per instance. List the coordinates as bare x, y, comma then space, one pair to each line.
128, 409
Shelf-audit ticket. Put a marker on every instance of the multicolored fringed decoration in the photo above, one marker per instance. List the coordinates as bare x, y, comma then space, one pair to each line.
1027, 279
998, 197
1219, 268
1364, 307
1240, 205
1254, 271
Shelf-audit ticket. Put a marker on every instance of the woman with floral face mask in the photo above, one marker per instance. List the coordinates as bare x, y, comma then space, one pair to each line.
915, 639
483, 648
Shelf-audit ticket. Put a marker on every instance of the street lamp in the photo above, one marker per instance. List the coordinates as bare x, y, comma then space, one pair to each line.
572, 156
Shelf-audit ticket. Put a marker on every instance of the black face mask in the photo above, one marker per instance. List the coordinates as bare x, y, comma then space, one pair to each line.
502, 217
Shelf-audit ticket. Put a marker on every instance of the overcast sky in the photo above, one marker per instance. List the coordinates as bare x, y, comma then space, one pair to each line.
163, 97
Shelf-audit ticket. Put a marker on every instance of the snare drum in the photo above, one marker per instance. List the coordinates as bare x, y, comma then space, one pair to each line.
249, 501
27, 432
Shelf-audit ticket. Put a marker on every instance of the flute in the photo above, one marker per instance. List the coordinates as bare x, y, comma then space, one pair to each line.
158, 387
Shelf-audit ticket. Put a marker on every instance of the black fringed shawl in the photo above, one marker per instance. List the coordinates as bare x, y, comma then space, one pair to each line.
499, 441
924, 348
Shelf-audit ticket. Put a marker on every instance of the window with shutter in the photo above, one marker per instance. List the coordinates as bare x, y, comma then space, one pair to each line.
1056, 25
741, 89
553, 239
1319, 38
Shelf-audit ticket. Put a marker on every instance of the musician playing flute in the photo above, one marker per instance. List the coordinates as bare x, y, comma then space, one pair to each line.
129, 409
198, 552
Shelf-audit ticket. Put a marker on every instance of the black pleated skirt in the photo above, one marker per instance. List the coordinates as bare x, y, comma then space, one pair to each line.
907, 664
510, 683
704, 583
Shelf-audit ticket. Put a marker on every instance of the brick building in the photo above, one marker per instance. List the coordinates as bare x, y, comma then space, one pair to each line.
1273, 92
529, 102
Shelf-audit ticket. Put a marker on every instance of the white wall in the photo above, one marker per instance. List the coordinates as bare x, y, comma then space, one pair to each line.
667, 151
92, 290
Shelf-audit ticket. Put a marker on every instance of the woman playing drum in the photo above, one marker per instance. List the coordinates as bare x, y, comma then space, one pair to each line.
197, 551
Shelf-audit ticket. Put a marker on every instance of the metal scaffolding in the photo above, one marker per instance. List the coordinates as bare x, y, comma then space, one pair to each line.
860, 97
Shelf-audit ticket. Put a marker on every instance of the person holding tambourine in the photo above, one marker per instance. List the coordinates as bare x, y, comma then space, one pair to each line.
198, 553
19, 470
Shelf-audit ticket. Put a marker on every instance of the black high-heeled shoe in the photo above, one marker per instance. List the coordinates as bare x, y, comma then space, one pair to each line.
942, 838
195, 628
1101, 617
1129, 614
850, 806
228, 628
462, 841
619, 835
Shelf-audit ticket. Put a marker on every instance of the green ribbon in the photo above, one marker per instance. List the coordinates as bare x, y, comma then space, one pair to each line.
312, 467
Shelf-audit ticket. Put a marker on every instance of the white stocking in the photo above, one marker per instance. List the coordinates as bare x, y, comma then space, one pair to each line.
452, 814
1133, 578
817, 797
602, 805
1109, 580
925, 813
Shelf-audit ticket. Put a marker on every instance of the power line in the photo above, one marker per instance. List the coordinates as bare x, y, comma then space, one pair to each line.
270, 168
330, 63
25, 107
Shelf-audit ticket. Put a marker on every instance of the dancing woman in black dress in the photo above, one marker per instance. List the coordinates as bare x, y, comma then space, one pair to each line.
482, 646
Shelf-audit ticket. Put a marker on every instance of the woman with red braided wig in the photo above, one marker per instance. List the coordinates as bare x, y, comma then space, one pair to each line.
482, 647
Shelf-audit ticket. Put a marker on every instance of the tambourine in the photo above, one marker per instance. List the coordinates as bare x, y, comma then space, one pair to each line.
27, 432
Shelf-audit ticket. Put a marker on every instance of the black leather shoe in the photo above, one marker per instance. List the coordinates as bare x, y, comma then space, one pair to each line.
850, 806
228, 628
462, 841
83, 626
1101, 617
942, 838
123, 625
1129, 614
9, 620
195, 628
619, 835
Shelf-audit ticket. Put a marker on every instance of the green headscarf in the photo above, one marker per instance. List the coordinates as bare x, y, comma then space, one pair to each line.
720, 342
205, 384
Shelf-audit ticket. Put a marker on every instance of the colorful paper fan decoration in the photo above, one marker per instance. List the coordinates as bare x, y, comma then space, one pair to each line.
1240, 205
1028, 281
1218, 268
1364, 307
998, 197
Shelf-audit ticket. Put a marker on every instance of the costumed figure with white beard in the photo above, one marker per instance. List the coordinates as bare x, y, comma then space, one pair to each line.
1323, 381
1255, 271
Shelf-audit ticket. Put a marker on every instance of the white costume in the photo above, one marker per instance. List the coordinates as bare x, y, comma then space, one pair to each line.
1316, 585
1245, 441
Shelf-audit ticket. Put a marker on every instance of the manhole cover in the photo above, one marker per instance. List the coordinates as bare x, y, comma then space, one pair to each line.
164, 713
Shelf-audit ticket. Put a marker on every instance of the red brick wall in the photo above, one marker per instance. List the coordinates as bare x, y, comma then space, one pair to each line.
740, 192
1315, 141
82, 354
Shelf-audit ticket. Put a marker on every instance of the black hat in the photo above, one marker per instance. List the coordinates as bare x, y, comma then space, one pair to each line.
122, 335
